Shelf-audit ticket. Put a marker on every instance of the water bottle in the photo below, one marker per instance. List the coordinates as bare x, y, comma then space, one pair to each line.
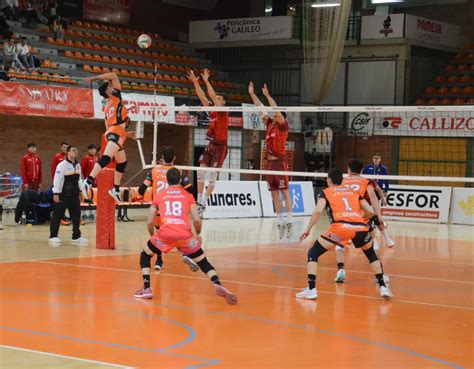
23, 218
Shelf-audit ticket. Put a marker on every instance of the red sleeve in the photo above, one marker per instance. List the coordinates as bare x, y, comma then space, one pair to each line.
40, 173
23, 170
84, 165
54, 164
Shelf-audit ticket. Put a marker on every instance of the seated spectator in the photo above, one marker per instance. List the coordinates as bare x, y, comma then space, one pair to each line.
10, 9
11, 55
58, 28
24, 54
53, 12
30, 13
36, 60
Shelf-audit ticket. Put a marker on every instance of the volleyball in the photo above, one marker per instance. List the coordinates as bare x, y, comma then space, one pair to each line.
144, 41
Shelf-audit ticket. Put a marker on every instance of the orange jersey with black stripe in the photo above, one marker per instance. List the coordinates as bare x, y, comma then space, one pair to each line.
115, 111
156, 178
343, 204
360, 184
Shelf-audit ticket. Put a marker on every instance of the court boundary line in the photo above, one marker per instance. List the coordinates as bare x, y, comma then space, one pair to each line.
349, 270
66, 357
258, 285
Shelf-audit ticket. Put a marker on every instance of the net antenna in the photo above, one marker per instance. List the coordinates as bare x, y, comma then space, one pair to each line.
155, 122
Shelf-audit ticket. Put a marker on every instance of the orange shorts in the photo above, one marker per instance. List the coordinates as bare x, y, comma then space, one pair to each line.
186, 247
341, 233
117, 134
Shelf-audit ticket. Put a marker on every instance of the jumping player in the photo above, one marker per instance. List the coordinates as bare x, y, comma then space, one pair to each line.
177, 207
344, 207
116, 123
217, 135
156, 178
275, 142
367, 189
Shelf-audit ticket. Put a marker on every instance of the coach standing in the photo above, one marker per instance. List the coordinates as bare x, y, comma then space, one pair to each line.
377, 168
66, 195
31, 172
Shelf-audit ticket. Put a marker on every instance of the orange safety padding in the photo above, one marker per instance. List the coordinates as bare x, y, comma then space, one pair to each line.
105, 224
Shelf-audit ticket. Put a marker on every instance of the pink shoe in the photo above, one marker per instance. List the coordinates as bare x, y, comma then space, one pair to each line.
229, 296
144, 294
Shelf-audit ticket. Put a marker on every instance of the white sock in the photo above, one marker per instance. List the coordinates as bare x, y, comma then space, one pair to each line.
289, 217
200, 198
204, 199
280, 219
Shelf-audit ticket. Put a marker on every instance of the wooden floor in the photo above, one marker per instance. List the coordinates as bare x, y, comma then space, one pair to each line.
72, 307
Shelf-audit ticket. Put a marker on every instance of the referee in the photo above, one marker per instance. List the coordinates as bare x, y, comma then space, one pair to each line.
66, 195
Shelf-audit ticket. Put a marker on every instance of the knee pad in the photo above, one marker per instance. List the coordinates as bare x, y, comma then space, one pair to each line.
315, 252
120, 167
213, 179
145, 260
205, 265
201, 176
104, 161
371, 255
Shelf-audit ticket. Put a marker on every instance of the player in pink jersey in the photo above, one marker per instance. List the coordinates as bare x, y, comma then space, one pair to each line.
177, 208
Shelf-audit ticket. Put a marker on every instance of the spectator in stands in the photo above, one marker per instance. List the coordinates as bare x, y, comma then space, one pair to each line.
58, 28
10, 9
31, 171
53, 11
11, 55
30, 13
377, 168
87, 164
33, 53
24, 54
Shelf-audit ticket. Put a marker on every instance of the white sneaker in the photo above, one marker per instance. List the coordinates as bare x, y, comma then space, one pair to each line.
340, 276
115, 195
79, 241
85, 188
54, 240
385, 293
307, 294
289, 230
190, 263
1, 227
388, 241
281, 229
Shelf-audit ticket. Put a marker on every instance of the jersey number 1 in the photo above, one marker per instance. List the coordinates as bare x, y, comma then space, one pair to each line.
346, 203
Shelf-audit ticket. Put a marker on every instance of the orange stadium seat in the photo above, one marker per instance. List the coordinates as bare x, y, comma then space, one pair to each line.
460, 57
150, 75
149, 65
131, 52
88, 57
428, 91
96, 69
420, 102
455, 91
87, 68
138, 52
106, 59
471, 56
114, 49
123, 50
69, 43
471, 101
96, 36
147, 54
468, 90
106, 70
87, 45
465, 79
124, 72
453, 79
164, 67
132, 62
463, 67
472, 68
183, 80
97, 58
133, 74
97, 47
79, 44
115, 60
459, 102
142, 75
141, 63
68, 54
78, 23
445, 102
81, 34
433, 102
451, 68
77, 55
116, 70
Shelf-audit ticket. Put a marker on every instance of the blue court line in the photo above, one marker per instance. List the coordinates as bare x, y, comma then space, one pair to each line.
285, 324
163, 350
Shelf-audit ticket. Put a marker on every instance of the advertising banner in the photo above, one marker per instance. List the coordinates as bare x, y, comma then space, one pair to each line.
253, 120
234, 199
301, 193
53, 101
140, 107
382, 26
418, 203
110, 11
241, 29
462, 206
428, 30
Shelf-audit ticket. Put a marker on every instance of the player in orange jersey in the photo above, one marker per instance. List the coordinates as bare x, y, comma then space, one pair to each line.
217, 135
275, 142
367, 189
344, 207
116, 123
177, 208
156, 178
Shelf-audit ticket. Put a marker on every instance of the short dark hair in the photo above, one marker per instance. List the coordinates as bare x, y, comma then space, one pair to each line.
65, 143
224, 96
168, 154
378, 155
103, 89
355, 166
70, 147
173, 176
31, 145
91, 146
335, 175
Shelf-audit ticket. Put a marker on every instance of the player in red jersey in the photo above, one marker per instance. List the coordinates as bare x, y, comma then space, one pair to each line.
87, 164
156, 179
116, 123
344, 207
177, 208
275, 142
217, 135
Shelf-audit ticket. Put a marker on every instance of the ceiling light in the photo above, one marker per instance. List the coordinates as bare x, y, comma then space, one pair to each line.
386, 1
325, 5
268, 10
292, 8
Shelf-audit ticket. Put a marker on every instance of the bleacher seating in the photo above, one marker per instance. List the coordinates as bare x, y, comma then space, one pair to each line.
456, 86
92, 48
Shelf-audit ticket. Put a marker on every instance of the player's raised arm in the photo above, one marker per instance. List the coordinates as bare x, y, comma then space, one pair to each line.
210, 90
150, 223
279, 118
199, 91
255, 99
112, 77
196, 218
320, 206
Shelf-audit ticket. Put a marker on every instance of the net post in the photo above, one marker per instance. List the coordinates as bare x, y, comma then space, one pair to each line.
155, 122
